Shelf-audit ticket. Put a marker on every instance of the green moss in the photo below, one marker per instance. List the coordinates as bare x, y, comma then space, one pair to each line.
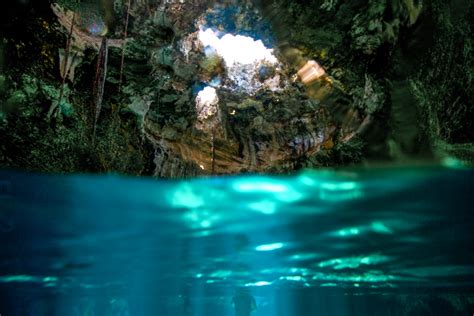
212, 65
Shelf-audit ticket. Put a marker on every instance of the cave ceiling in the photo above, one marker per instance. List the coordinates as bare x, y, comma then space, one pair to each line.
237, 96
185, 88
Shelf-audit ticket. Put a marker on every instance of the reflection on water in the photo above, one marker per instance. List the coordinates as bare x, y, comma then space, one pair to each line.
316, 242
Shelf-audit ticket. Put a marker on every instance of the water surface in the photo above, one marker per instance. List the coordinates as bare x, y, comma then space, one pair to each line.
317, 243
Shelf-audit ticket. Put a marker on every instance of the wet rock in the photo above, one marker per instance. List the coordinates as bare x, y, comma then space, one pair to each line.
140, 106
169, 133
169, 98
3, 84
250, 104
371, 98
212, 66
265, 72
165, 56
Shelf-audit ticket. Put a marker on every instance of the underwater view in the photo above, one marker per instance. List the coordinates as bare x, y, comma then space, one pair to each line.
385, 242
237, 157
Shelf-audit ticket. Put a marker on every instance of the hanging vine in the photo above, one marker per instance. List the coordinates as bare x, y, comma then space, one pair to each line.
54, 106
99, 82
125, 34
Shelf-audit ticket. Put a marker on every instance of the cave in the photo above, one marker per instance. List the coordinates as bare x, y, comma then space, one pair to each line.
204, 88
288, 154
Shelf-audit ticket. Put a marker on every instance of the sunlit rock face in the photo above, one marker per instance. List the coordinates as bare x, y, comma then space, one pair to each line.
88, 26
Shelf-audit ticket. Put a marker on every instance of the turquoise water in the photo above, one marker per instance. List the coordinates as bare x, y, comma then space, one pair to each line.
379, 242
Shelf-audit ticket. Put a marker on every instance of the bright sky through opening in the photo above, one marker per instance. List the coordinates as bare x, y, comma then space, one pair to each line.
236, 48
206, 102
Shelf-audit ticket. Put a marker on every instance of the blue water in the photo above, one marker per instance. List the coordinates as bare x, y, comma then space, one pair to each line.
354, 242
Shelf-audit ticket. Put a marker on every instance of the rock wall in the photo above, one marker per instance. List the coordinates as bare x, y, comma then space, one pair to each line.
359, 81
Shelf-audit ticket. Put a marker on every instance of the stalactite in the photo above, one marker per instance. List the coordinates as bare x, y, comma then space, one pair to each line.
125, 34
99, 82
